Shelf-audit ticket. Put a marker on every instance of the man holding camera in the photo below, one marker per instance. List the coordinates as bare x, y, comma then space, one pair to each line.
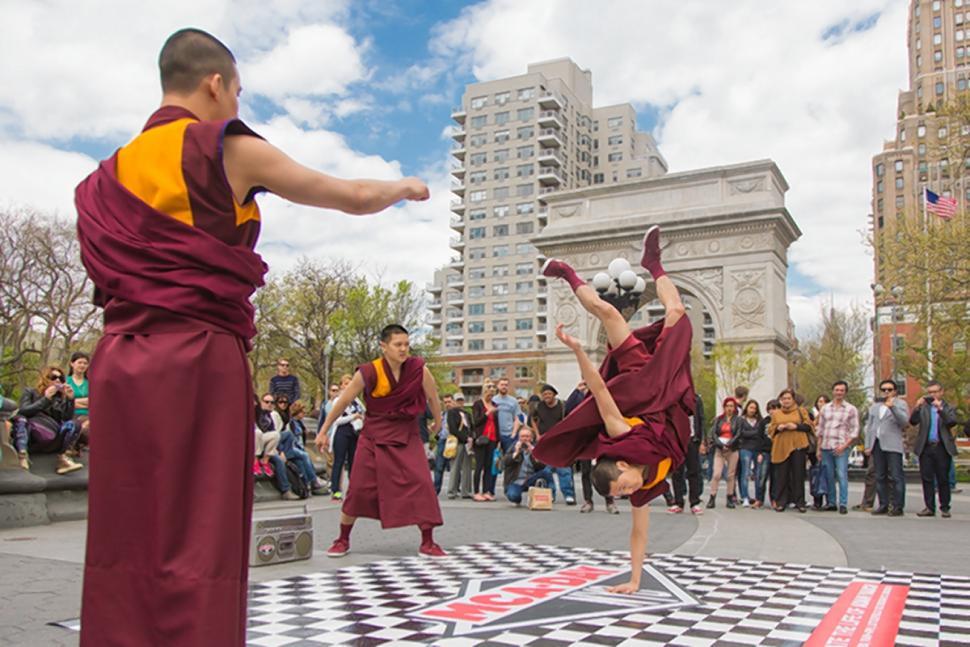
935, 447
522, 471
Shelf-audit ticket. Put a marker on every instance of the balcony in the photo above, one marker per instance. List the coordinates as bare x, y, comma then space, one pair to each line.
434, 289
542, 313
550, 156
541, 333
549, 175
457, 243
471, 380
458, 301
457, 265
455, 336
458, 170
542, 294
547, 137
435, 306
458, 114
435, 320
543, 190
458, 224
458, 150
458, 206
458, 133
550, 101
543, 215
549, 119
458, 188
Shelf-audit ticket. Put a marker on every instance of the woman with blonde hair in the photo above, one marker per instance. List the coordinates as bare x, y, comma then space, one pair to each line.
343, 438
485, 434
45, 423
790, 431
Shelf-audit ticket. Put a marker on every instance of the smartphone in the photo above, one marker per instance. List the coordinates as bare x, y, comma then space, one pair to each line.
929, 399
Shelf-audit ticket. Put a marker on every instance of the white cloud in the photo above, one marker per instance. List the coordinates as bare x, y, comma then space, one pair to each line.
41, 176
742, 81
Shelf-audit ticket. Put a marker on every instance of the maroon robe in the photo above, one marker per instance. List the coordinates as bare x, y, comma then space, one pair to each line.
649, 377
170, 488
390, 479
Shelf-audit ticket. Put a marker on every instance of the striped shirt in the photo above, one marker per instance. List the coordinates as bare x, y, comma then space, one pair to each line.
837, 425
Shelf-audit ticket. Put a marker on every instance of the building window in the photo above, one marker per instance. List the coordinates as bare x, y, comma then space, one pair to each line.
476, 233
501, 136
525, 94
614, 122
961, 84
501, 192
524, 170
524, 190
477, 177
524, 227
922, 169
900, 202
921, 131
502, 173
501, 211
899, 183
500, 230
921, 150
476, 344
902, 134
476, 215
633, 172
523, 287
937, 38
476, 291
939, 88
478, 196
523, 343
500, 325
597, 178
879, 187
476, 253
525, 248
898, 165
900, 381
523, 306
478, 103
473, 273
501, 98
524, 269
453, 345
501, 155
500, 270
937, 56
941, 133
479, 121
523, 324
526, 132
476, 326
524, 208
615, 140
500, 344
525, 114
478, 140
500, 250
615, 157
524, 152
477, 159
958, 35
500, 308
500, 289
880, 170
502, 118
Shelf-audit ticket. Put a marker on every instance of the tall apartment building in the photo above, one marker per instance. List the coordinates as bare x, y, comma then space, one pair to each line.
518, 139
938, 40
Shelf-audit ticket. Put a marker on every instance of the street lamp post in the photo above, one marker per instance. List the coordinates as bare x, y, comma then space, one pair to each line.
620, 286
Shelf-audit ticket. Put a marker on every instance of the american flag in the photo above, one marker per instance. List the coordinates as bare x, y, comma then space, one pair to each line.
939, 205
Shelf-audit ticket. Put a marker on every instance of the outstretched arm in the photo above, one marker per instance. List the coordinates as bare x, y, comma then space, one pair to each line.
609, 412
353, 389
431, 392
252, 162
638, 550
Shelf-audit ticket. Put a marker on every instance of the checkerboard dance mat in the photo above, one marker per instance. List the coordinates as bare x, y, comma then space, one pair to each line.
519, 594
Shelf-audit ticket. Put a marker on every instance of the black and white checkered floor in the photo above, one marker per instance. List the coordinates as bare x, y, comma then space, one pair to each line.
705, 601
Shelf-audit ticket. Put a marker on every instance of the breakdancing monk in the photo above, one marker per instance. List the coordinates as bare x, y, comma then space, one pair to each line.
167, 228
390, 480
636, 422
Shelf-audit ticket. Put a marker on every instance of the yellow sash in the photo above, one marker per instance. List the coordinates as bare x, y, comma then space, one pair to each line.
382, 386
662, 470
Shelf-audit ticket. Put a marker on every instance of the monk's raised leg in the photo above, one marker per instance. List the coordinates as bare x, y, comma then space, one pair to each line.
617, 329
666, 290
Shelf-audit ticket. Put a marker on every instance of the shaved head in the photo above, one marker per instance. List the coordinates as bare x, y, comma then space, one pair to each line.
191, 55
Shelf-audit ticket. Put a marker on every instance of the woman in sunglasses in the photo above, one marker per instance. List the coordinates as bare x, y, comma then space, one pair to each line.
45, 424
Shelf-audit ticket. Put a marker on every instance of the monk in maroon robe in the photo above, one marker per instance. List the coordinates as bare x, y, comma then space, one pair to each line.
167, 228
390, 480
636, 419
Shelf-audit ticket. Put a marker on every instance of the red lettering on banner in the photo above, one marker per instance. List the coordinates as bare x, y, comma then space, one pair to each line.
558, 581
498, 600
461, 611
867, 614
587, 572
532, 592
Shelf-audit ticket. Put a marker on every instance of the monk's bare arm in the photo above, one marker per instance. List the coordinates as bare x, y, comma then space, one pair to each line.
353, 389
609, 412
638, 549
252, 162
431, 391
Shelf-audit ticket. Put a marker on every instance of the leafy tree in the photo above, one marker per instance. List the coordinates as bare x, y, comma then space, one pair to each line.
837, 350
735, 365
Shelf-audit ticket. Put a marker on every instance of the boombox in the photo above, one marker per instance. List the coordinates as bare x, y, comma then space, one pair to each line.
281, 539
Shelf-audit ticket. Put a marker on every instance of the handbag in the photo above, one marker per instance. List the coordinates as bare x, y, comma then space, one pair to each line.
488, 433
451, 446
812, 439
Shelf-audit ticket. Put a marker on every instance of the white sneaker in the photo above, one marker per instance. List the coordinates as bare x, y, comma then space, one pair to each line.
745, 504
696, 509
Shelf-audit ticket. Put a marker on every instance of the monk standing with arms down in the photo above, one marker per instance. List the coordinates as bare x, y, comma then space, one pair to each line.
167, 228
390, 480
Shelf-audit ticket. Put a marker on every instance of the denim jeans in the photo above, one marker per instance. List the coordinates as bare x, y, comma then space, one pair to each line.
889, 467
566, 485
303, 463
745, 470
513, 491
837, 468
441, 464
279, 473
761, 472
505, 442
65, 439
344, 448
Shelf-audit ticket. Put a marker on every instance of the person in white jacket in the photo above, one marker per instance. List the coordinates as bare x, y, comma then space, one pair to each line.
342, 437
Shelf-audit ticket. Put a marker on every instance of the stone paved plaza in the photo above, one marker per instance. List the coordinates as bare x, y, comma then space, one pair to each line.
41, 565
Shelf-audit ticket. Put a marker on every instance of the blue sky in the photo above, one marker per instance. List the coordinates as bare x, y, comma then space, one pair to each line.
366, 89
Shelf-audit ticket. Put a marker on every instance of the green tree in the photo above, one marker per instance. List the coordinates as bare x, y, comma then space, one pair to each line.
705, 384
837, 350
735, 365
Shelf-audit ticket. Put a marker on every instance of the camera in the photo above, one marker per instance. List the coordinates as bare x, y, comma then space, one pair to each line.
928, 399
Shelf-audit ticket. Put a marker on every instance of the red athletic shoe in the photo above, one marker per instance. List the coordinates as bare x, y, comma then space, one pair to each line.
651, 248
268, 469
555, 268
257, 467
339, 548
431, 550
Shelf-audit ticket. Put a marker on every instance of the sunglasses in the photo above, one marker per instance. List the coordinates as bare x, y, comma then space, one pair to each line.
267, 401
890, 390
56, 378
282, 402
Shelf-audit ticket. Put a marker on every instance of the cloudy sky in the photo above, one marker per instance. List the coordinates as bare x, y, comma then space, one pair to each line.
365, 89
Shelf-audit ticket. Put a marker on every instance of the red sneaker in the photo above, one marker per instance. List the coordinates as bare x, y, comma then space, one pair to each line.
431, 550
257, 467
339, 548
651, 248
268, 469
555, 268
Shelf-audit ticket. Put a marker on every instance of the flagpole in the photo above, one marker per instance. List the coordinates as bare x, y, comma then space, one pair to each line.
929, 303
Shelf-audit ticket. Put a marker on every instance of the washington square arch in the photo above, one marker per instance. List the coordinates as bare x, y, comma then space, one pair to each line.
725, 233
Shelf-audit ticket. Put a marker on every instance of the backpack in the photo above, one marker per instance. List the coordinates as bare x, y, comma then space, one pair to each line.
297, 485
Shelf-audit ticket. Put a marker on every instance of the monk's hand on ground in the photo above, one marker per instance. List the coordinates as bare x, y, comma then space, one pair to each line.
416, 189
625, 589
567, 340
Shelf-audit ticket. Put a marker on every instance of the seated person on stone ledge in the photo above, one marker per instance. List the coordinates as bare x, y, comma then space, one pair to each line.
522, 471
45, 423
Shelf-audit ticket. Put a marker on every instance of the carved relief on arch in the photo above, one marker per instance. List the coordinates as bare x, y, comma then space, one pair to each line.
748, 306
708, 280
